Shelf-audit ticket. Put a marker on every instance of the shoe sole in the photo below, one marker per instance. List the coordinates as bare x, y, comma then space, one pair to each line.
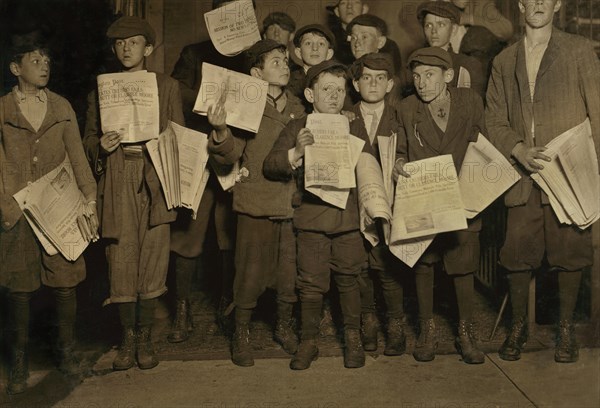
148, 367
122, 368
315, 358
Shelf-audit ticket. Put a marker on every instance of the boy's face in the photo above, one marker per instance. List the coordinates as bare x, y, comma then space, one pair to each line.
346, 10
33, 71
327, 94
373, 85
539, 13
277, 33
132, 51
364, 40
314, 49
438, 30
431, 82
276, 70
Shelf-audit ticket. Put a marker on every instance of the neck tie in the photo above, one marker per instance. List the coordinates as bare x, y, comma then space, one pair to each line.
374, 125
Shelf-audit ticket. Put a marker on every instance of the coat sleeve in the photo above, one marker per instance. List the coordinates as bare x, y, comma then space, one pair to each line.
402, 138
228, 151
92, 133
186, 72
589, 82
175, 105
277, 165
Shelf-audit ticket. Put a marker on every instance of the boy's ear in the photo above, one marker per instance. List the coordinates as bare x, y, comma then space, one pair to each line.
148, 50
256, 72
365, 8
336, 11
15, 69
355, 85
298, 53
390, 85
292, 36
329, 54
449, 75
309, 95
381, 40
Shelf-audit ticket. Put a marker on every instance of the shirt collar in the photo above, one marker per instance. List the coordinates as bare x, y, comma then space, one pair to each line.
40, 95
365, 111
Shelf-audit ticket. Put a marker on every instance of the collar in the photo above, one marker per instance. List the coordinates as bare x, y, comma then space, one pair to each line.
21, 97
378, 111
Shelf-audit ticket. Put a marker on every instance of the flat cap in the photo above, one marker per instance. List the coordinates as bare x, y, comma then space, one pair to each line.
438, 8
282, 19
368, 20
433, 56
252, 54
127, 26
312, 28
379, 61
327, 65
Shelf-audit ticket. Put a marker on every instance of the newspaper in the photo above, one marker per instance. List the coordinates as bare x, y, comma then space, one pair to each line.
485, 175
226, 174
53, 206
410, 251
464, 78
129, 105
233, 28
179, 156
373, 200
387, 157
245, 97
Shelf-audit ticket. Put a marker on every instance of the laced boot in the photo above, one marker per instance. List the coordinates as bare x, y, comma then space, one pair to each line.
19, 372
354, 354
183, 323
515, 341
145, 355
306, 354
368, 331
427, 343
466, 344
69, 364
241, 350
567, 350
126, 356
284, 332
396, 339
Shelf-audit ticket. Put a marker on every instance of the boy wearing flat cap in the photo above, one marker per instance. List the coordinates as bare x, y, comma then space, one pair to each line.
265, 250
442, 120
328, 238
134, 216
368, 33
338, 17
372, 77
440, 20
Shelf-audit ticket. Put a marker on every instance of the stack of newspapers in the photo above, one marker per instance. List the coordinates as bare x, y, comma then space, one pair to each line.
571, 179
57, 212
179, 156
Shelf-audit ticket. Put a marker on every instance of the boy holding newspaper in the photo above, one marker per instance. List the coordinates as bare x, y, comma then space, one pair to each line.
442, 120
134, 216
265, 253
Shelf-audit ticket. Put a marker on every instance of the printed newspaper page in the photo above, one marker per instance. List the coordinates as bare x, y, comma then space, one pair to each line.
372, 198
245, 96
129, 105
387, 156
410, 250
233, 28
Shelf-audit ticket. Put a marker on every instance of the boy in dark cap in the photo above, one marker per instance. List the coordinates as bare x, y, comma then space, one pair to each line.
265, 251
328, 238
442, 120
338, 17
134, 217
368, 33
372, 77
280, 27
440, 20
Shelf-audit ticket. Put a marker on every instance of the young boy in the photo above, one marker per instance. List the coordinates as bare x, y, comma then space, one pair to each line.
134, 217
38, 129
368, 33
372, 77
442, 120
328, 238
314, 44
265, 247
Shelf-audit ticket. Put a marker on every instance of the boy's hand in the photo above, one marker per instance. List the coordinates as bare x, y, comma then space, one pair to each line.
109, 142
527, 157
350, 115
398, 170
304, 138
217, 116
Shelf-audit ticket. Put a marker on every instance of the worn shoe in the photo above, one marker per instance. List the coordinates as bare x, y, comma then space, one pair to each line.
68, 363
284, 335
145, 355
354, 353
515, 341
306, 354
19, 373
126, 356
241, 350
182, 324
368, 330
466, 344
396, 339
567, 350
427, 343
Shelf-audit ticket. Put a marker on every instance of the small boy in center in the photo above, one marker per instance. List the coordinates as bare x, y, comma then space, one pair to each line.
328, 238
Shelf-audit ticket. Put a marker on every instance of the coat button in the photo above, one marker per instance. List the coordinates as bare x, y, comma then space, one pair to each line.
7, 224
37, 140
35, 159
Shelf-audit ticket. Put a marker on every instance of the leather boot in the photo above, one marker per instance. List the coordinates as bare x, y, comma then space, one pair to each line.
515, 341
145, 355
396, 339
354, 354
126, 356
19, 372
306, 354
241, 350
427, 343
182, 324
368, 329
466, 344
284, 332
69, 364
567, 350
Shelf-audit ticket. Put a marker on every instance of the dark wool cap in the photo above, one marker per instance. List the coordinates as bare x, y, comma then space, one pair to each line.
433, 56
327, 65
438, 8
368, 20
126, 27
252, 54
379, 61
312, 28
283, 20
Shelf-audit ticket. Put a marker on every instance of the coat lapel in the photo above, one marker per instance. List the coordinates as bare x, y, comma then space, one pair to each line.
456, 120
552, 52
426, 133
